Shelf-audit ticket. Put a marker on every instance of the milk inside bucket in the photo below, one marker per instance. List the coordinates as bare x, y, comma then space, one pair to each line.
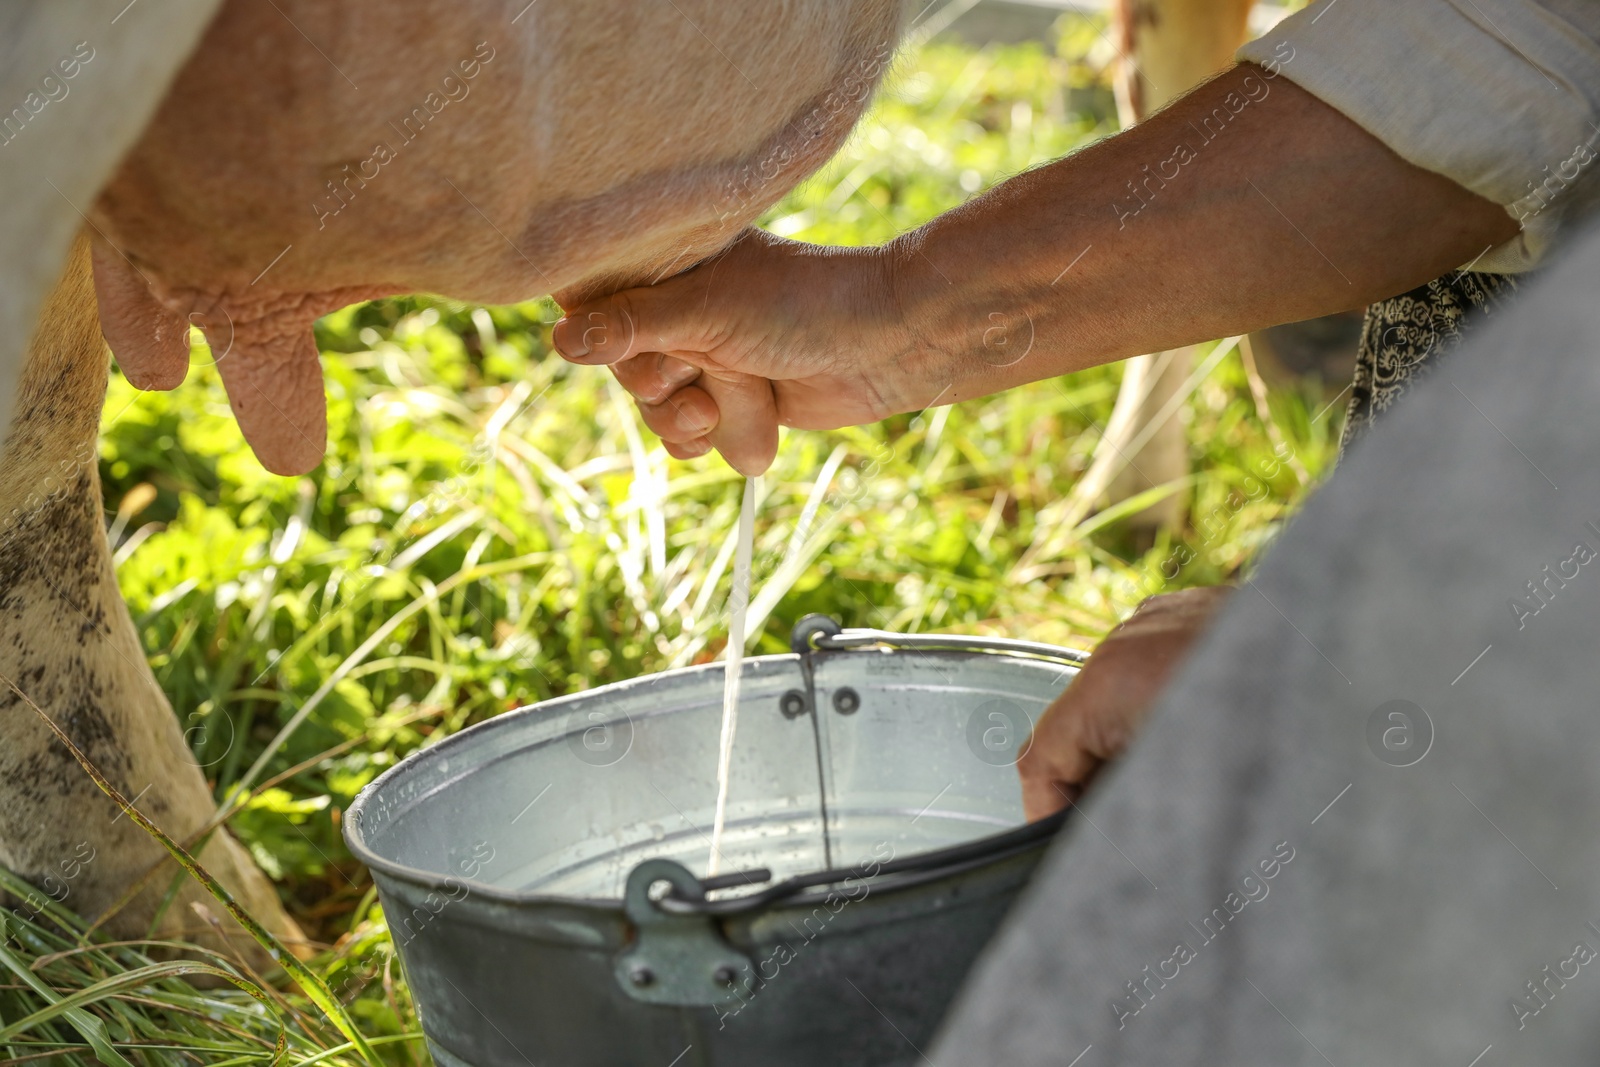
543, 873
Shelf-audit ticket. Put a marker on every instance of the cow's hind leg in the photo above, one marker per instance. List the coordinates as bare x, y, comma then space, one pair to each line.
67, 641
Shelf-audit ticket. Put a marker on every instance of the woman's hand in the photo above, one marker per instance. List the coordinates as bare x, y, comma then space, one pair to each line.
768, 333
1093, 721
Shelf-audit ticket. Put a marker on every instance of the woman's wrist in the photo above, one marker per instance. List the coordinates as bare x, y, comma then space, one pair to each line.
914, 364
972, 318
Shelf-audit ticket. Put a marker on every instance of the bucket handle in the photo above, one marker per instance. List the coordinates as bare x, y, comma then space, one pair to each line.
819, 633
690, 899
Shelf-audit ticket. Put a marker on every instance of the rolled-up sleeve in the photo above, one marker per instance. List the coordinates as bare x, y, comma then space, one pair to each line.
1498, 95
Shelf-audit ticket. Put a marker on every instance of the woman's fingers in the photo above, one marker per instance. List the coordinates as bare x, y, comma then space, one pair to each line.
657, 318
686, 415
654, 376
1044, 796
1062, 754
1093, 721
693, 412
668, 345
687, 450
736, 416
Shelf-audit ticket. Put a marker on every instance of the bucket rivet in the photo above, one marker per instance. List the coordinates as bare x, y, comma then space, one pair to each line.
642, 975
846, 701
792, 704
724, 976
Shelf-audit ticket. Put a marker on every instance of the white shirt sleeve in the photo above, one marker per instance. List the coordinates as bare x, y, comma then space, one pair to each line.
1501, 96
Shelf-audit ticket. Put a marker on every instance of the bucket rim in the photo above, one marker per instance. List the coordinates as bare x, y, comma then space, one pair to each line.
418, 878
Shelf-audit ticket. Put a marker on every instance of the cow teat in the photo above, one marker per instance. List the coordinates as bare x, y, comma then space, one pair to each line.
150, 341
263, 348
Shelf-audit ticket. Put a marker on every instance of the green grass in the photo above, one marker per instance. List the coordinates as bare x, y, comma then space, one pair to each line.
494, 527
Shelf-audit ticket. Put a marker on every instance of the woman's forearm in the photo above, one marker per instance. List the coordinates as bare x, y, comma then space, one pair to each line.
1247, 203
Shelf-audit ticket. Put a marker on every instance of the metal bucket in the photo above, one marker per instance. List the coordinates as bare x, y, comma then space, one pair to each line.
538, 870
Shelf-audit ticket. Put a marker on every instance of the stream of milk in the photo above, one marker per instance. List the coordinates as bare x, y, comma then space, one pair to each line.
733, 662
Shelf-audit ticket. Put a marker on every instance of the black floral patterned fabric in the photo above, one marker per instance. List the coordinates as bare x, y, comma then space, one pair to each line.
1403, 337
